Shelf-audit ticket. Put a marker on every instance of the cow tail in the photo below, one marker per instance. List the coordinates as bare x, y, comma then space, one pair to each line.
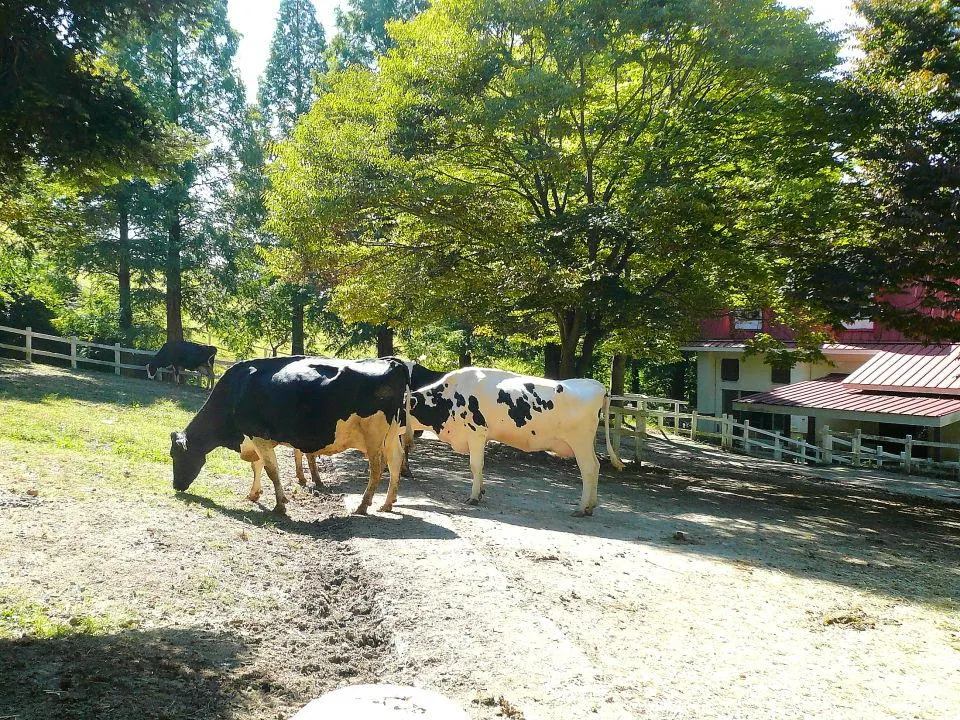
614, 458
408, 425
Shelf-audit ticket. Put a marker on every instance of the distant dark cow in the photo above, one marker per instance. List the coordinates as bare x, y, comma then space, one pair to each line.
183, 355
420, 376
470, 406
313, 404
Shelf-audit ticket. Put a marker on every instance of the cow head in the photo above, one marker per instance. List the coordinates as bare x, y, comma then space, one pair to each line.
187, 462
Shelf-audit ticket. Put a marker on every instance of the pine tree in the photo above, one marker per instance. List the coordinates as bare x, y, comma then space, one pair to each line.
287, 90
185, 69
297, 55
362, 29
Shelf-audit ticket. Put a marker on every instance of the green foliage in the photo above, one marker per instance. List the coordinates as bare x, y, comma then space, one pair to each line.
297, 55
908, 88
63, 105
613, 170
362, 30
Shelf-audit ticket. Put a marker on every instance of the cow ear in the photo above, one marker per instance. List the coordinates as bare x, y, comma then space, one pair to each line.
179, 439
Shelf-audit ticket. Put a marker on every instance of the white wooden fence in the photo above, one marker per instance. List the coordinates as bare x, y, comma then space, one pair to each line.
634, 415
78, 357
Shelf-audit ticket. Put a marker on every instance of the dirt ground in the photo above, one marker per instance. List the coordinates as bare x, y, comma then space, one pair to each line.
704, 587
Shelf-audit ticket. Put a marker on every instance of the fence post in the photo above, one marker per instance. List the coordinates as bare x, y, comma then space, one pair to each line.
693, 426
856, 447
28, 347
676, 417
73, 352
777, 448
116, 358
879, 456
826, 442
725, 432
907, 454
746, 436
640, 437
660, 422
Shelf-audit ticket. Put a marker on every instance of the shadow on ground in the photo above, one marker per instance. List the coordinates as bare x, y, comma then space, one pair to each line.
335, 526
166, 673
42, 383
863, 537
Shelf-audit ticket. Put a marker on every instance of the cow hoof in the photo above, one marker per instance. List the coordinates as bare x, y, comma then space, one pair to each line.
253, 497
580, 513
302, 481
386, 508
473, 501
320, 487
280, 509
362, 510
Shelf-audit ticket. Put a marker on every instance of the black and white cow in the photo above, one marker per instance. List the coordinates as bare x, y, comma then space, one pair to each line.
313, 404
183, 355
420, 377
470, 406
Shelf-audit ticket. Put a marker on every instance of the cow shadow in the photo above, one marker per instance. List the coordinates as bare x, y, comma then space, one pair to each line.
336, 525
736, 512
127, 675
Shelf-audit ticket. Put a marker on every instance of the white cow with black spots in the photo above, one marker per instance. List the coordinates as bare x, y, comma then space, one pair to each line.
470, 406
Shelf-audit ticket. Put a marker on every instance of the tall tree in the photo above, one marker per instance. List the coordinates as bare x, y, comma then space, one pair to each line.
362, 30
907, 91
613, 169
185, 69
287, 90
288, 86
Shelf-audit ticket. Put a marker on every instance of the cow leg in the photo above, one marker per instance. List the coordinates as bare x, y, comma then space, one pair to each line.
375, 458
255, 490
393, 450
249, 453
298, 463
476, 442
269, 457
314, 473
590, 474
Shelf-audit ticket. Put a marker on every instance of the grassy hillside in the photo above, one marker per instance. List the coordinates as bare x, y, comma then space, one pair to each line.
71, 433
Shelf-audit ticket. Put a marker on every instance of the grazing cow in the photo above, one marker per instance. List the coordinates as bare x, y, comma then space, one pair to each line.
470, 406
249, 453
420, 376
313, 404
183, 355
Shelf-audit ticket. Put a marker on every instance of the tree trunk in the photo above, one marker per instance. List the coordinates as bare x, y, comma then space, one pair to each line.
551, 361
570, 322
678, 380
585, 361
123, 272
465, 359
618, 372
174, 298
635, 376
384, 341
296, 324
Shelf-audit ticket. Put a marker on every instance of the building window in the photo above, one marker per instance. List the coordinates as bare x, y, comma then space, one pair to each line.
858, 323
748, 320
730, 370
780, 375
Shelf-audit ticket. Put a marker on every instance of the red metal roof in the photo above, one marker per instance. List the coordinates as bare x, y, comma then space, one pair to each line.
832, 395
865, 347
929, 369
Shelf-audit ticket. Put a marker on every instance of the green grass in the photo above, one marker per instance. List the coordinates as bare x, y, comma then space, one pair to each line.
62, 431
20, 617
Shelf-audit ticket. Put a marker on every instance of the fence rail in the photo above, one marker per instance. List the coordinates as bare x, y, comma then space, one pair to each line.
77, 357
630, 416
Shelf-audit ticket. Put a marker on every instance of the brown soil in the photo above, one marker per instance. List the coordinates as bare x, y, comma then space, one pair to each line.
696, 591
